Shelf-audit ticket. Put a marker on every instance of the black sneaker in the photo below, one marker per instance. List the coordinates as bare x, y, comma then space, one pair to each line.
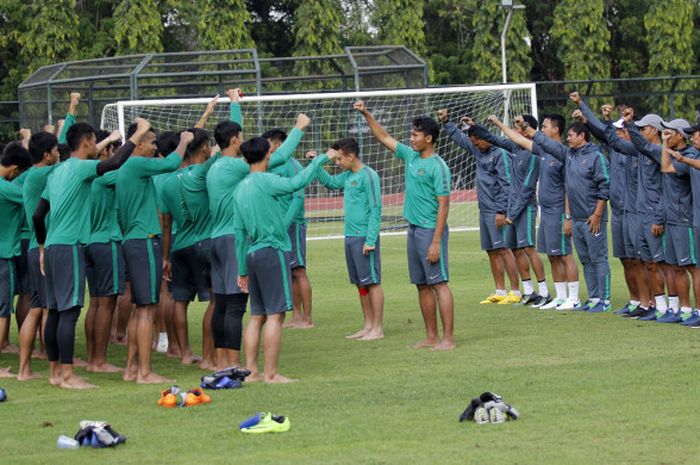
530, 299
541, 300
639, 312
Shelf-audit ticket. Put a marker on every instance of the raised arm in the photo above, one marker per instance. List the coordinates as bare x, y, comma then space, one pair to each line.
623, 146
70, 117
115, 136
202, 123
646, 148
456, 134
286, 150
123, 153
692, 162
587, 117
334, 182
552, 147
377, 129
235, 113
518, 140
153, 166
279, 186
374, 200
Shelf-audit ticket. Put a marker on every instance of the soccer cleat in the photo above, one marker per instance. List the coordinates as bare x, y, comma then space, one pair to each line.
492, 299
600, 307
529, 299
670, 317
639, 311
510, 298
569, 305
552, 304
651, 316
542, 300
195, 397
583, 307
265, 423
686, 315
168, 397
626, 309
693, 320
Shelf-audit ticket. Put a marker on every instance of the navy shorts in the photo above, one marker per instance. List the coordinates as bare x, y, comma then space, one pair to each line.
297, 236
64, 266
551, 239
191, 272
493, 238
617, 229
419, 269
23, 284
363, 270
8, 281
651, 248
269, 281
38, 280
524, 226
224, 265
630, 233
144, 260
679, 242
105, 269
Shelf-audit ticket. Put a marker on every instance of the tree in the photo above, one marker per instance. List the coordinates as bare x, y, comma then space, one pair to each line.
583, 40
138, 27
52, 34
400, 22
223, 25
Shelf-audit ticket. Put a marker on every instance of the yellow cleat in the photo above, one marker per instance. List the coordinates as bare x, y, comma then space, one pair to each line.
493, 299
509, 299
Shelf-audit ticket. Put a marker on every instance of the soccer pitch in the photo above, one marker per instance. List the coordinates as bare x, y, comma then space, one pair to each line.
591, 388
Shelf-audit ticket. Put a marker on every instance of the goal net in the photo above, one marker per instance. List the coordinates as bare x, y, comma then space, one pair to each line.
333, 118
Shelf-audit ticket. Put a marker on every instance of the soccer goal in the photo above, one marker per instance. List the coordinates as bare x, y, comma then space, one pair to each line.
333, 118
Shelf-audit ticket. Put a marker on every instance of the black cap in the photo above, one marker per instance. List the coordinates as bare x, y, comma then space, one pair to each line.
693, 129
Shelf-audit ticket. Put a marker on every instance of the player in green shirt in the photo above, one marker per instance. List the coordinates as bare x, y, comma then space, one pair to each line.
43, 148
261, 245
293, 206
139, 220
426, 206
15, 160
362, 205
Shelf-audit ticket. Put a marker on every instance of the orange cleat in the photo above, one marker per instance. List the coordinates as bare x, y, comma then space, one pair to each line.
196, 396
168, 399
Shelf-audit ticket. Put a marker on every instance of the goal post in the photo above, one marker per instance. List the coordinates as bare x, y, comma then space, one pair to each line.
333, 118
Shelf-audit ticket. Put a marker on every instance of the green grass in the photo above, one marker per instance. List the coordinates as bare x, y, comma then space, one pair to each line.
592, 389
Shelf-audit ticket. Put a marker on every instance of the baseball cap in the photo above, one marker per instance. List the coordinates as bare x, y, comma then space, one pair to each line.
678, 124
652, 120
691, 130
619, 124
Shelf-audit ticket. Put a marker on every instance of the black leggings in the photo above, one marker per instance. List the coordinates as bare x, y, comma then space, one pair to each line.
226, 322
59, 334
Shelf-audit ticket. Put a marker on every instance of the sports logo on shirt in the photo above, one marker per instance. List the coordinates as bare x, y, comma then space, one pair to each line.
421, 172
353, 184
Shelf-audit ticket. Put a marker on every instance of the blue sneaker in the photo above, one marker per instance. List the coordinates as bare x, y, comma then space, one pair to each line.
670, 317
693, 320
651, 315
626, 309
583, 307
600, 307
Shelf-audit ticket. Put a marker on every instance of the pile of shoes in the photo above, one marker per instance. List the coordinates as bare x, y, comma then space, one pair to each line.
175, 397
489, 407
265, 422
228, 378
98, 434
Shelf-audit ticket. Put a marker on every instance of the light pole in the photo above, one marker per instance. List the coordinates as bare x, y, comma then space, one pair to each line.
508, 5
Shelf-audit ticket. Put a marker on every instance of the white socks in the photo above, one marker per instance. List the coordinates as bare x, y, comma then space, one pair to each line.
661, 303
674, 302
560, 289
573, 291
542, 288
527, 287
501, 292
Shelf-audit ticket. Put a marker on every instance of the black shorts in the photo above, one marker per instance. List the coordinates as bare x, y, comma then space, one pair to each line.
105, 269
191, 272
270, 281
23, 285
64, 266
144, 260
297, 236
8, 279
224, 265
363, 270
38, 280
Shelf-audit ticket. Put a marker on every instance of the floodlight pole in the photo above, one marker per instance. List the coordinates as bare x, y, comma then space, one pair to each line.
508, 5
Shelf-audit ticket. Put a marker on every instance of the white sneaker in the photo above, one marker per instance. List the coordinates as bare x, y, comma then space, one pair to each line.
162, 346
568, 305
553, 304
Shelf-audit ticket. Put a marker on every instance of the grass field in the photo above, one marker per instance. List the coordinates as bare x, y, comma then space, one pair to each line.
592, 389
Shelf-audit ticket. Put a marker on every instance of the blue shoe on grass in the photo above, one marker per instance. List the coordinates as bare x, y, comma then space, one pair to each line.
670, 317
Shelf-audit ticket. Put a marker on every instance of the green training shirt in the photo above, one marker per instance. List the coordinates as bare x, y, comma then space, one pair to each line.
225, 175
426, 180
34, 185
195, 199
292, 204
258, 216
67, 123
362, 201
137, 209
103, 214
172, 205
12, 214
159, 182
24, 231
68, 192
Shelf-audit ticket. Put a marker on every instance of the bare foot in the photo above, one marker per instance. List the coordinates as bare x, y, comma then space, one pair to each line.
445, 345
253, 378
292, 324
207, 365
28, 376
129, 374
106, 368
10, 349
190, 358
153, 378
55, 380
39, 355
79, 363
361, 333
5, 373
76, 382
173, 354
425, 343
372, 335
279, 379
306, 325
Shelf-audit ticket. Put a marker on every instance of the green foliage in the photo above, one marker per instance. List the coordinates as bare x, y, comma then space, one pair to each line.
317, 27
671, 22
52, 34
223, 25
401, 22
138, 27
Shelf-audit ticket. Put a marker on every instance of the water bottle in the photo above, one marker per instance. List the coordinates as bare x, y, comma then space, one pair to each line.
64, 442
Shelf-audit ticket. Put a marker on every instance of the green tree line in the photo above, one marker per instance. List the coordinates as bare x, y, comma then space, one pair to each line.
460, 39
